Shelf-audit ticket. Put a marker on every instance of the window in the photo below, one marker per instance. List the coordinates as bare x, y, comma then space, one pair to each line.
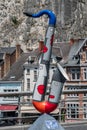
72, 111
86, 55
75, 88
85, 94
85, 110
72, 88
53, 69
10, 90
75, 74
28, 71
28, 84
35, 75
85, 73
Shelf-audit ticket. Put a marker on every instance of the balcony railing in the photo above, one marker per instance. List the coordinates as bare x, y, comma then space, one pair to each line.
26, 113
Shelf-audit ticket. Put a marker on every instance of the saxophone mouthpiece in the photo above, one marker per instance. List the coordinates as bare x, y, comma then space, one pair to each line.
28, 14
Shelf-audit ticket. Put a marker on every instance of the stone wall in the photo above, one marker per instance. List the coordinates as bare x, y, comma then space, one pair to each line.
17, 28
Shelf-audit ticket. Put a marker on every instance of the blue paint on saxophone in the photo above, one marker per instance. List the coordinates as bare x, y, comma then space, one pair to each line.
51, 15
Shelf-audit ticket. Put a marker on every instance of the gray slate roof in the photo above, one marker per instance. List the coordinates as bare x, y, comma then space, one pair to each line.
76, 48
55, 50
1, 56
73, 58
8, 50
64, 49
61, 50
16, 70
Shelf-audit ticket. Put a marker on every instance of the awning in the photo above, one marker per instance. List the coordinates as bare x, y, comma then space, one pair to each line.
28, 109
8, 107
31, 109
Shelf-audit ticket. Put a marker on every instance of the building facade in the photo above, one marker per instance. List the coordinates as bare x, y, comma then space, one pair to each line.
8, 104
76, 68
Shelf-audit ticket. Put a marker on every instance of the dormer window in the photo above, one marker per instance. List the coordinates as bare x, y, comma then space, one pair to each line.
28, 71
31, 59
12, 77
75, 57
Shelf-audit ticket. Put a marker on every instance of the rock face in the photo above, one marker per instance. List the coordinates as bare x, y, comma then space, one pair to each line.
12, 22
16, 28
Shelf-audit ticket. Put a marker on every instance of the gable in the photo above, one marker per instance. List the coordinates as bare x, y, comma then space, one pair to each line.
16, 71
76, 47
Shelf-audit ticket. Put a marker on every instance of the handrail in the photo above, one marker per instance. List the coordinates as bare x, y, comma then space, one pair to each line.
30, 93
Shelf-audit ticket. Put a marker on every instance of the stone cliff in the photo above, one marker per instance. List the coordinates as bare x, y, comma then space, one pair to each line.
15, 28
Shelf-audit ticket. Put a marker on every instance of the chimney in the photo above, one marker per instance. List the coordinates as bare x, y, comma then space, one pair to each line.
41, 44
72, 41
6, 63
18, 51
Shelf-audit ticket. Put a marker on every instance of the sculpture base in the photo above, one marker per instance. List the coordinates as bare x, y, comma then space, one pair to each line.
46, 122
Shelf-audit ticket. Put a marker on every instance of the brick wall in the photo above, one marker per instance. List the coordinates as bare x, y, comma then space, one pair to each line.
18, 51
6, 63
